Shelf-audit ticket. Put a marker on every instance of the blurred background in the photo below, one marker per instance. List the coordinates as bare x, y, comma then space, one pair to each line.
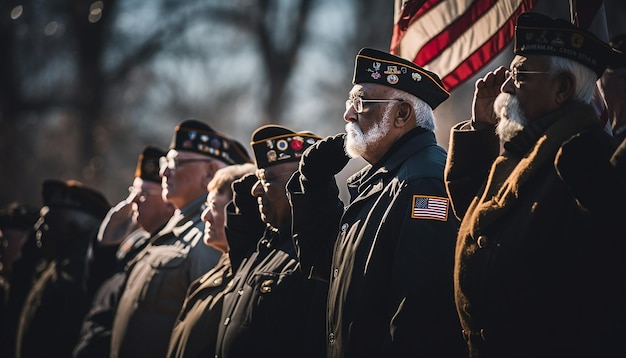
85, 85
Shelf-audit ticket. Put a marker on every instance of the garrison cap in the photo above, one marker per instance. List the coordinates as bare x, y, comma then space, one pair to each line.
274, 144
18, 216
373, 66
194, 136
148, 164
75, 195
539, 34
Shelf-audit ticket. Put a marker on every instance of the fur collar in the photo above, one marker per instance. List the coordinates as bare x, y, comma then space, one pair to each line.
513, 173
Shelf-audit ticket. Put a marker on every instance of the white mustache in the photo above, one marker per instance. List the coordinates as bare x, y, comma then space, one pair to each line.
512, 120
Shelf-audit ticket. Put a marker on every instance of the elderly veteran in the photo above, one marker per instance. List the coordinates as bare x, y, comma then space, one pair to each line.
126, 229
539, 265
195, 330
19, 258
388, 256
175, 256
270, 308
51, 316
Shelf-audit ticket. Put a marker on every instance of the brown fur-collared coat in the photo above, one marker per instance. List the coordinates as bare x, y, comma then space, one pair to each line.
539, 264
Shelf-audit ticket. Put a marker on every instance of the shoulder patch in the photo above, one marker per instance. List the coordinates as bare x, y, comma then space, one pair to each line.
429, 207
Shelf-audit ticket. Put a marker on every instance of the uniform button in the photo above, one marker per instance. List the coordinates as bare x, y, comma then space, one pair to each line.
344, 227
335, 273
331, 338
240, 292
482, 241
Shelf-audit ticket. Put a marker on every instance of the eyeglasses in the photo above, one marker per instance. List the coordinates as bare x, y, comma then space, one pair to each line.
357, 102
173, 163
142, 195
519, 77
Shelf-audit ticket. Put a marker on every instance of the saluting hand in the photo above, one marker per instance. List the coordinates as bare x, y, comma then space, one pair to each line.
485, 92
117, 223
243, 200
323, 160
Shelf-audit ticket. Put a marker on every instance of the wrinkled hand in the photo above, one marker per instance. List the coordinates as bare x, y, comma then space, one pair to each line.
485, 92
323, 160
244, 202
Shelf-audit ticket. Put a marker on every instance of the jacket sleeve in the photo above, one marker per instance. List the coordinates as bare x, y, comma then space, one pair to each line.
243, 233
470, 155
422, 285
584, 164
316, 212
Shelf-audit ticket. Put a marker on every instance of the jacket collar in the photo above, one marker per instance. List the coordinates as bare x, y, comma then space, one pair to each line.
179, 222
409, 144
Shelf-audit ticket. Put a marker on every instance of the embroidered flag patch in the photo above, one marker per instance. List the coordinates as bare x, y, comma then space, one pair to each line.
430, 207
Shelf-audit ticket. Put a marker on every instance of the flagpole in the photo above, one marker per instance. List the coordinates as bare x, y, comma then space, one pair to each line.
572, 12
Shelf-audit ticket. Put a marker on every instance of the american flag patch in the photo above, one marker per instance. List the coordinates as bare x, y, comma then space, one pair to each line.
430, 207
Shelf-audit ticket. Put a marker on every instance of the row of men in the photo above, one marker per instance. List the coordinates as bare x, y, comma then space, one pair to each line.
509, 244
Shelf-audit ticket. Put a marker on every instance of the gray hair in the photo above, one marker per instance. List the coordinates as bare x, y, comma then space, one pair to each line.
424, 116
224, 177
585, 77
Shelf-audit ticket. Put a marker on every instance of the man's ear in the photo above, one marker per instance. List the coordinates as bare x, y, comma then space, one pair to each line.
404, 114
566, 87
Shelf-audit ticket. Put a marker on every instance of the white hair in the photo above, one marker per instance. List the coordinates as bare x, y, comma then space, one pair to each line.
424, 116
585, 77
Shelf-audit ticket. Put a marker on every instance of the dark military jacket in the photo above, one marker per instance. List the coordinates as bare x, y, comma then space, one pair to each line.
157, 282
24, 272
270, 309
537, 273
195, 329
390, 274
95, 334
4, 313
52, 314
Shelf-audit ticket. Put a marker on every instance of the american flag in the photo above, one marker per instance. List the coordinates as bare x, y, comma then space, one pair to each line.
454, 38
430, 207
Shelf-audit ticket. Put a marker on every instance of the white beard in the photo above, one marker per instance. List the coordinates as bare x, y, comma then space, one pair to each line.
511, 120
358, 142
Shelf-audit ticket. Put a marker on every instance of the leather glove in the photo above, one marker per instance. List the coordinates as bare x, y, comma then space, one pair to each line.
244, 202
323, 160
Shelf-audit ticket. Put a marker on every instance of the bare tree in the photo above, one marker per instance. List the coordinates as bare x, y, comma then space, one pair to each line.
56, 73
